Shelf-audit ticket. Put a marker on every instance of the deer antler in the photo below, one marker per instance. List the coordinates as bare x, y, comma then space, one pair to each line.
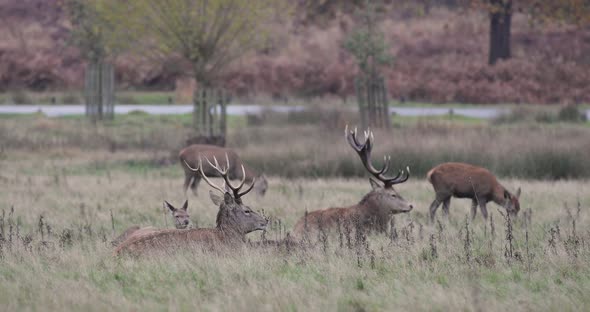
221, 189
364, 152
223, 172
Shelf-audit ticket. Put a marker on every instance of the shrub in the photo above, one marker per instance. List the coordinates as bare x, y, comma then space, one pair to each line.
571, 113
126, 99
20, 97
71, 98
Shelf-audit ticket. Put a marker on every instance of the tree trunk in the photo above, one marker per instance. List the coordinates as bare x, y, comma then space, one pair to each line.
500, 21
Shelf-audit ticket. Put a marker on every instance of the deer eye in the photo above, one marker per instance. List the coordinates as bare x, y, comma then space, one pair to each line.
247, 211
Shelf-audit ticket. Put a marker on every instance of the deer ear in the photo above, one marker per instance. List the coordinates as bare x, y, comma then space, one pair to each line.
216, 199
374, 184
185, 205
172, 209
518, 193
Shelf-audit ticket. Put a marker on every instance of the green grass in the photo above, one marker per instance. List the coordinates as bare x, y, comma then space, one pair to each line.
145, 98
447, 119
403, 273
76, 97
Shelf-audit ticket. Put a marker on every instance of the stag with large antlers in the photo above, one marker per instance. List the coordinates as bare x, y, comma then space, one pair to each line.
234, 220
375, 209
190, 156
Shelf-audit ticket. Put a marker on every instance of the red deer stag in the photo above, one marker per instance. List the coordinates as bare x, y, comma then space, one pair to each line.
376, 207
190, 155
181, 221
467, 181
234, 221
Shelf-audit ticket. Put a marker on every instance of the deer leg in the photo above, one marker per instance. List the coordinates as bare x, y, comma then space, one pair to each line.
484, 210
473, 209
433, 208
187, 181
446, 205
195, 184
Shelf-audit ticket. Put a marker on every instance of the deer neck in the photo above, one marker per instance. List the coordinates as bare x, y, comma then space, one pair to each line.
498, 195
367, 205
232, 234
229, 228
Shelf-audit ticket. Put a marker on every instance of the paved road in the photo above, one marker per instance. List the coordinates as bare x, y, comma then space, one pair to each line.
239, 110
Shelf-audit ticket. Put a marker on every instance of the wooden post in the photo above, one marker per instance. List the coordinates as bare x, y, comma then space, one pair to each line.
210, 115
223, 124
197, 110
107, 90
203, 99
99, 90
361, 97
385, 100
212, 112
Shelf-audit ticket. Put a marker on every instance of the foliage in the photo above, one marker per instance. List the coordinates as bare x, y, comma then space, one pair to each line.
575, 12
20, 97
366, 43
91, 32
571, 113
567, 11
205, 35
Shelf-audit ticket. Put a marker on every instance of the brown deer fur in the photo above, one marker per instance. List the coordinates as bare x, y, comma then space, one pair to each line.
234, 221
467, 181
181, 221
374, 211
191, 155
376, 207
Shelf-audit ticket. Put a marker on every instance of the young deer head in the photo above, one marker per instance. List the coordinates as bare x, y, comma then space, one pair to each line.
385, 197
512, 203
180, 216
233, 215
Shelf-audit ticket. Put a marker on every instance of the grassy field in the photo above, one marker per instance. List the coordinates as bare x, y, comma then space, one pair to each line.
311, 144
55, 251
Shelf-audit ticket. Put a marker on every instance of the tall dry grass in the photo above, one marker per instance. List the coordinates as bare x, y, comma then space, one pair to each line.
55, 251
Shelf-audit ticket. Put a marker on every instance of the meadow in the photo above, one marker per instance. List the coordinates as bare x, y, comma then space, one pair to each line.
67, 189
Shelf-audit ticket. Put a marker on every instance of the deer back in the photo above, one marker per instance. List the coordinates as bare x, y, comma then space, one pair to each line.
468, 181
463, 180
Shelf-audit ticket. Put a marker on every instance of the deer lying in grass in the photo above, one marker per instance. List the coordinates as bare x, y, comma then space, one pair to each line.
467, 181
190, 155
181, 221
234, 221
375, 209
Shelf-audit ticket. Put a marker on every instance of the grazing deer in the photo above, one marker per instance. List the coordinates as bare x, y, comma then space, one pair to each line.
375, 209
234, 221
467, 181
190, 155
181, 221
